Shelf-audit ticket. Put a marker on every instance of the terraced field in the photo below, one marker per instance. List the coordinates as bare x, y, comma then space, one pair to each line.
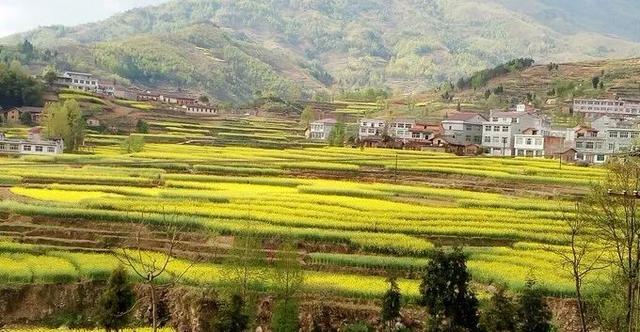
74, 207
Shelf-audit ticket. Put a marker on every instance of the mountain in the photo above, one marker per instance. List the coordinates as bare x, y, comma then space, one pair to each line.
235, 50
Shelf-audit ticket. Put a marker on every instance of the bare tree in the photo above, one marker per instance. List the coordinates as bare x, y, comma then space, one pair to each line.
612, 208
581, 259
150, 266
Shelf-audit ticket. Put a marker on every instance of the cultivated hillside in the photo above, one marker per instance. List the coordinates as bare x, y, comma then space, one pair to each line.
237, 49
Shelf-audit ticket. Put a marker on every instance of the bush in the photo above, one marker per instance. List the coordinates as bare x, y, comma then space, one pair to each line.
232, 317
533, 313
285, 316
116, 301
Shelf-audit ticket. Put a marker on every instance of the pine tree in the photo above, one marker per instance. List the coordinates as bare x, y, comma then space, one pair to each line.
232, 317
391, 302
445, 291
533, 313
116, 301
500, 316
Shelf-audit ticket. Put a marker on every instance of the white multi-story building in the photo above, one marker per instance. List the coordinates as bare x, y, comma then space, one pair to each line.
529, 144
401, 128
372, 128
594, 108
607, 136
321, 129
463, 128
500, 131
81, 81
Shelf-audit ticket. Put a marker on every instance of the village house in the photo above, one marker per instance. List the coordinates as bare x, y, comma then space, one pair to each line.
201, 109
499, 133
35, 113
401, 129
93, 122
607, 135
615, 108
106, 90
80, 81
321, 129
371, 128
177, 99
148, 96
463, 128
34, 144
10, 116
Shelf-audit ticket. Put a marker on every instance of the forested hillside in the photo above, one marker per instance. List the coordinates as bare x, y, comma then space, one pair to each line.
238, 49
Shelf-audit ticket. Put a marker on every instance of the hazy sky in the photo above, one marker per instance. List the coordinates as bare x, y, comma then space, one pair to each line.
23, 15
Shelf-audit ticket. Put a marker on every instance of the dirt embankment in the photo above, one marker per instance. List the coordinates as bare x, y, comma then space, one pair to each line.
189, 309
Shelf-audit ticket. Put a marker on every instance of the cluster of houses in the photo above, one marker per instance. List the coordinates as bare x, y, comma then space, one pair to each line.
174, 101
520, 132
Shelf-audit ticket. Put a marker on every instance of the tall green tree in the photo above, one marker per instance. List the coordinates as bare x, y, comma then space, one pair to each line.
306, 117
17, 88
116, 301
232, 317
337, 135
533, 313
288, 279
446, 293
500, 315
64, 120
391, 302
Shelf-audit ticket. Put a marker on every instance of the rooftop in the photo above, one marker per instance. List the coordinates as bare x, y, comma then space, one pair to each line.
327, 120
463, 116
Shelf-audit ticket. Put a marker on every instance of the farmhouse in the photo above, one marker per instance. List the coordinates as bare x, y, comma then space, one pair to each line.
371, 128
177, 99
499, 133
34, 144
463, 127
201, 109
93, 122
606, 136
148, 96
321, 129
80, 81
35, 113
10, 115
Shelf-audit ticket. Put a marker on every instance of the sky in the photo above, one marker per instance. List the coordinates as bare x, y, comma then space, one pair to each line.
23, 15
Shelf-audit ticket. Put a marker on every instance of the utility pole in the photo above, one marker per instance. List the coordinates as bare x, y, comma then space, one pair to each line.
396, 170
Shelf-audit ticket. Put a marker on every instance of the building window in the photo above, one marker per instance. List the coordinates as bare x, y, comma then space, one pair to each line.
494, 119
589, 145
600, 157
487, 128
579, 145
50, 149
624, 134
26, 148
529, 141
495, 139
13, 147
496, 128
487, 139
599, 145
612, 146
38, 148
505, 129
613, 134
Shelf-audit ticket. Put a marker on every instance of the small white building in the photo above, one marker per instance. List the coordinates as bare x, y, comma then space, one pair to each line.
200, 109
321, 129
529, 144
371, 128
34, 144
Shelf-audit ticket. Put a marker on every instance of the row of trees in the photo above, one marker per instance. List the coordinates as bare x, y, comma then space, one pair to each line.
17, 88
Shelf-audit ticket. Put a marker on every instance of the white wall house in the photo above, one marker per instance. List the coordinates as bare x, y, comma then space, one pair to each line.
34, 144
321, 129
401, 128
529, 144
499, 132
81, 81
371, 128
200, 109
